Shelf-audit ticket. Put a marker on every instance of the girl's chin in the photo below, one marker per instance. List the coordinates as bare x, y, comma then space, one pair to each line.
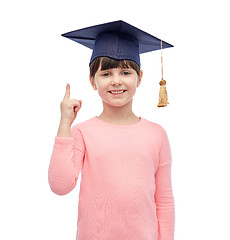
115, 102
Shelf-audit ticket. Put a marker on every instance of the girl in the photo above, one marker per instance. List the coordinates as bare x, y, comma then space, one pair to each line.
124, 160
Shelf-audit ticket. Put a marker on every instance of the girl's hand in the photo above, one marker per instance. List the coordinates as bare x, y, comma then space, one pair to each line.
69, 107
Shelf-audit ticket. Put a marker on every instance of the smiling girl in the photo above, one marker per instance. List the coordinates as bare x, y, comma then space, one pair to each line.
124, 160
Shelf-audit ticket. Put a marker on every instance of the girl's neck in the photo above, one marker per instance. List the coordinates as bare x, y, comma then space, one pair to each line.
118, 119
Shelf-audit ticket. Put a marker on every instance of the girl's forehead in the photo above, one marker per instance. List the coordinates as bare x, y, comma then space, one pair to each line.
111, 64
118, 68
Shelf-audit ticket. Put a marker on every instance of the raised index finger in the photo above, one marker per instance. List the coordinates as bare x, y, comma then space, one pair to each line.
67, 93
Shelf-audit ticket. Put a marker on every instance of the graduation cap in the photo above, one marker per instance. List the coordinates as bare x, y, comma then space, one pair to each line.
121, 41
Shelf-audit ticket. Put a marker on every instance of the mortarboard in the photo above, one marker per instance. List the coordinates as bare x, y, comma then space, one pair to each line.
121, 41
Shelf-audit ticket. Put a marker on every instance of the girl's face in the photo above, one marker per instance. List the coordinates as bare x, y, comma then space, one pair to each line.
116, 79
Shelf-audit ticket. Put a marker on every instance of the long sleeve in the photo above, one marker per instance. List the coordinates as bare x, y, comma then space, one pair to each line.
164, 199
66, 162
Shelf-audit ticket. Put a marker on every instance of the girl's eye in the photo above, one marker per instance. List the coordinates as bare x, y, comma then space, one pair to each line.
105, 74
126, 73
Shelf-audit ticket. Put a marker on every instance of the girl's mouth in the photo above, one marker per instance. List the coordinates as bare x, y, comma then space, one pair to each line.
117, 92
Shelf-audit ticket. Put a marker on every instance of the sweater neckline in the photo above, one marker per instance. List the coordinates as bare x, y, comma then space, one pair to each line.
104, 123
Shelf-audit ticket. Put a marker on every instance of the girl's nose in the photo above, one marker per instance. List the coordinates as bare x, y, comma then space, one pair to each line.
116, 80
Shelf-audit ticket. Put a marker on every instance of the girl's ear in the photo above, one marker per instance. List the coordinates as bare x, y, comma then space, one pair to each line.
139, 78
92, 82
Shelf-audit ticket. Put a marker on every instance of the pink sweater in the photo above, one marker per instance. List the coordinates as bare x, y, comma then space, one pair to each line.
125, 189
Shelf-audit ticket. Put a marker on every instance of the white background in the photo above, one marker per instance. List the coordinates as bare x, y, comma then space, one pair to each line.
37, 63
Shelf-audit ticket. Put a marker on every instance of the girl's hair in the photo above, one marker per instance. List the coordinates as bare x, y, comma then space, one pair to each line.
107, 63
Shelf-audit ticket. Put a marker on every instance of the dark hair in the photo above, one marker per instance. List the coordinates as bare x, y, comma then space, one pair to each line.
107, 63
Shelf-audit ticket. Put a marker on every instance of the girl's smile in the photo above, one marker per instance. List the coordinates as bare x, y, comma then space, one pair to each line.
118, 93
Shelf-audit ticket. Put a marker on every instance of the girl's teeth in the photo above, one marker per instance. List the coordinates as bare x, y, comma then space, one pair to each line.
118, 92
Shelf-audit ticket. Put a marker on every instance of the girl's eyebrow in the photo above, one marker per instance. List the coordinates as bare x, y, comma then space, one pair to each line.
103, 70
